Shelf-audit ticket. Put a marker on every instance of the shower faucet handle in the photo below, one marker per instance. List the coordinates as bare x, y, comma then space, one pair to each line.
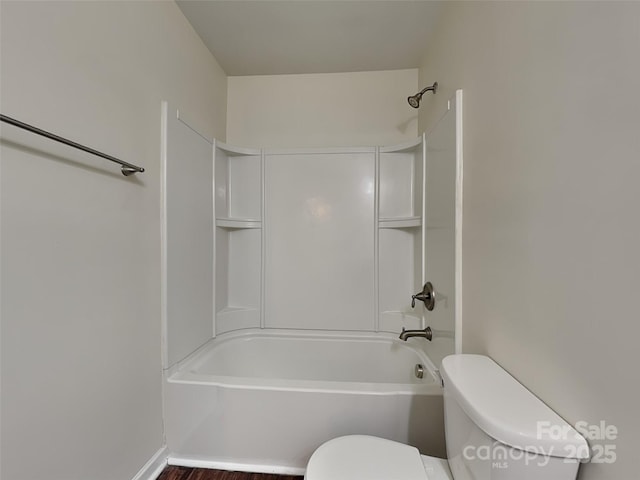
427, 296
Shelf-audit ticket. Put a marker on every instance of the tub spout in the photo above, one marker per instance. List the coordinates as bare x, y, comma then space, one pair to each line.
426, 333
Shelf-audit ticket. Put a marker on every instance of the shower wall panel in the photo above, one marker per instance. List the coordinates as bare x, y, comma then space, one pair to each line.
187, 238
320, 235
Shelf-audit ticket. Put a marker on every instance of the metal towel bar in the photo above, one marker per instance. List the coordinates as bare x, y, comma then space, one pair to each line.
127, 168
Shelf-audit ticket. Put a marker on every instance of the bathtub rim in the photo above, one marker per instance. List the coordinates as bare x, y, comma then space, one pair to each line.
179, 372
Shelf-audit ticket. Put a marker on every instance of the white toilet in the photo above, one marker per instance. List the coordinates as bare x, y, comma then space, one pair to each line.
495, 430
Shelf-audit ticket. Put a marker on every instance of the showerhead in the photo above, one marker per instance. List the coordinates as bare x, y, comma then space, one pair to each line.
414, 100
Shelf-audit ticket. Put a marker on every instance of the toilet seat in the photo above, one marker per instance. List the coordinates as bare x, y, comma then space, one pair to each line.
365, 457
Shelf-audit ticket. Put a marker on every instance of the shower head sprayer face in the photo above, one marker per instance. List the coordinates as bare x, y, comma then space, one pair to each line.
414, 100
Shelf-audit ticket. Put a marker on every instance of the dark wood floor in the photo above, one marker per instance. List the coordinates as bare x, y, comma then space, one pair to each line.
184, 473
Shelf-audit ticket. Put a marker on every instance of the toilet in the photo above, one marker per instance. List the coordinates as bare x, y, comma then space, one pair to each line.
495, 430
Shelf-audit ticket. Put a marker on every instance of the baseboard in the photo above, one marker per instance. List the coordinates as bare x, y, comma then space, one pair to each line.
154, 466
185, 461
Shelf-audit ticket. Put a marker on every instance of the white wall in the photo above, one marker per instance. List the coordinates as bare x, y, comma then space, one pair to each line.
551, 198
322, 110
80, 327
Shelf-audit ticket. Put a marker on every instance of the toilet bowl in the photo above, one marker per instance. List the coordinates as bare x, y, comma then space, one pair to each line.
492, 430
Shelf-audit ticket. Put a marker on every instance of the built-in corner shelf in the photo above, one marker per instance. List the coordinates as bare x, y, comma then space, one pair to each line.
400, 234
410, 146
238, 223
234, 151
400, 222
238, 237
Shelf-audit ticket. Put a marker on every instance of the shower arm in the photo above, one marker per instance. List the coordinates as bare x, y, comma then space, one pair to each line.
433, 88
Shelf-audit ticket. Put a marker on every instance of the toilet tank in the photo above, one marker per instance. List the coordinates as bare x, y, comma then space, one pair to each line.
496, 429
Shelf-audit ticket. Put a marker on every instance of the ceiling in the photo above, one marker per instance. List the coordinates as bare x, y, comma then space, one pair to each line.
272, 37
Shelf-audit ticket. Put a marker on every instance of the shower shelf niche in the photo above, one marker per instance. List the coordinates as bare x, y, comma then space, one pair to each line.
400, 234
238, 238
238, 186
400, 185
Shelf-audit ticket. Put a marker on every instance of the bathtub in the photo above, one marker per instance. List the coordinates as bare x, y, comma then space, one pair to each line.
264, 400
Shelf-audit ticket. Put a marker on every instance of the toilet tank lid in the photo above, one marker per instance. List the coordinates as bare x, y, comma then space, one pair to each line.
506, 411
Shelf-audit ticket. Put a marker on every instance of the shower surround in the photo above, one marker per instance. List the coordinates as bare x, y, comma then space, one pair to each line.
288, 276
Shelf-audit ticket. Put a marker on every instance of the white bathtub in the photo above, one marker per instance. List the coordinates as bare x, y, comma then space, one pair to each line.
261, 401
